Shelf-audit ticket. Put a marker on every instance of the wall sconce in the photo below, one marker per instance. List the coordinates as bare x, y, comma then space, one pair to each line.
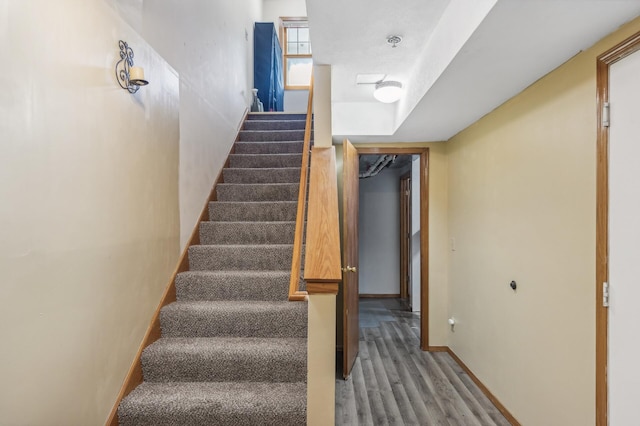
129, 77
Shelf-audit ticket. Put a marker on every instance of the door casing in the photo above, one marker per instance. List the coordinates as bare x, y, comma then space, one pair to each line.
424, 229
604, 61
405, 237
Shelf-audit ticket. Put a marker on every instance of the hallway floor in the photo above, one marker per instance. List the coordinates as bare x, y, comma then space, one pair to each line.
393, 382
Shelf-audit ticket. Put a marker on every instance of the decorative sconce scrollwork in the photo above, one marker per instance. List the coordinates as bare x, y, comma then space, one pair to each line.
129, 77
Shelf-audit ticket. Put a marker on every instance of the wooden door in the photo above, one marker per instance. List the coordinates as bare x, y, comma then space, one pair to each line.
405, 236
350, 289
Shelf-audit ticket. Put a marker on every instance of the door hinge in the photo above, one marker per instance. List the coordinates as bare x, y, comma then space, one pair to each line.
605, 294
606, 111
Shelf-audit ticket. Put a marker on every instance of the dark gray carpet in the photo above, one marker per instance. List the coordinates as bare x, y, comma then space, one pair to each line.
215, 403
233, 349
273, 211
280, 175
247, 232
233, 285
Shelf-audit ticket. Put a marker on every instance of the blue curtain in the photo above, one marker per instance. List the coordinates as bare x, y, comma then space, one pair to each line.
268, 75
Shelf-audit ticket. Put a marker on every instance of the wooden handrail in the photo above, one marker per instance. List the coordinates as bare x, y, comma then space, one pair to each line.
295, 294
322, 266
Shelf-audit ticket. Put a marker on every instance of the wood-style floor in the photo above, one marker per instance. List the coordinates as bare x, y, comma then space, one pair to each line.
393, 382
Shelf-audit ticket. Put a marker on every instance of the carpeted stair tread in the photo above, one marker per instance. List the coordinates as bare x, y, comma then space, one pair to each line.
257, 192
271, 135
248, 161
234, 318
232, 285
270, 257
216, 360
247, 232
215, 403
262, 175
285, 147
253, 211
276, 116
275, 124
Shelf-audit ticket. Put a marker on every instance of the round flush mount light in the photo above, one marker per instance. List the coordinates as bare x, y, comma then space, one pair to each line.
388, 92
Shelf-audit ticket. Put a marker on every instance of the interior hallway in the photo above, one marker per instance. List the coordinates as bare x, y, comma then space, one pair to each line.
393, 382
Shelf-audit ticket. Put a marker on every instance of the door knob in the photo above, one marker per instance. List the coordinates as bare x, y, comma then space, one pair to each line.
349, 269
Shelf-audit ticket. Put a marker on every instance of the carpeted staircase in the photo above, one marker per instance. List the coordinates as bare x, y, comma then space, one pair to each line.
233, 349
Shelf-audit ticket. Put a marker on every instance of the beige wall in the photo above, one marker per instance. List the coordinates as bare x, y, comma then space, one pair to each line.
322, 105
210, 43
438, 255
89, 219
321, 360
522, 207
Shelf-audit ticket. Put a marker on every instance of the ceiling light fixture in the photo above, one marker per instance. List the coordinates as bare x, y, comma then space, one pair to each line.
388, 92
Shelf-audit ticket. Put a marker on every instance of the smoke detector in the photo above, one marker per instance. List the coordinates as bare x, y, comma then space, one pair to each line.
394, 40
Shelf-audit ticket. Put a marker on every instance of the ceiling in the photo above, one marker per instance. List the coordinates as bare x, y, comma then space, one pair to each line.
459, 59
366, 161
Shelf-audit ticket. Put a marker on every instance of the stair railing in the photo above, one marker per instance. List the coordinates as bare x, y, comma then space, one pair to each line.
295, 294
322, 266
322, 275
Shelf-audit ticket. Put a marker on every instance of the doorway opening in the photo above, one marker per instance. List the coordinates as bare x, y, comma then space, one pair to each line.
351, 291
389, 234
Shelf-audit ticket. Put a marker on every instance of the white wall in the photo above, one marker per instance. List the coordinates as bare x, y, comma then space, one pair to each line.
210, 43
379, 233
272, 10
89, 219
296, 100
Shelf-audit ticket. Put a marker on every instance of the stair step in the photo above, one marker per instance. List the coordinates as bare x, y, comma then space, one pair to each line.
257, 191
247, 232
275, 124
232, 318
253, 211
277, 175
276, 116
217, 403
271, 135
250, 161
287, 147
268, 257
232, 285
225, 359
